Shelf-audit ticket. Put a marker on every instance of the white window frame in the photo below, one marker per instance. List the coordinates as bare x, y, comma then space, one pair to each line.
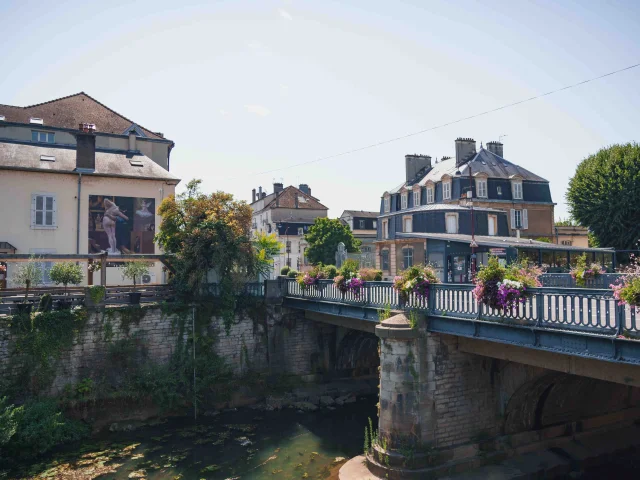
516, 189
446, 222
375, 224
404, 201
387, 203
385, 229
46, 136
430, 194
416, 198
524, 219
495, 225
405, 219
407, 253
446, 190
46, 264
44, 210
361, 224
481, 188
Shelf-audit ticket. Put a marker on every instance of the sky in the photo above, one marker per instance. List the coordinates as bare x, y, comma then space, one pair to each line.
248, 87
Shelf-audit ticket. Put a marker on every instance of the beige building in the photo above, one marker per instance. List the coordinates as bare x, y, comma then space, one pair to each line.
575, 236
80, 189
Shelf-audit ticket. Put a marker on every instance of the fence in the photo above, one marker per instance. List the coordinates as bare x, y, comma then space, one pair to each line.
565, 280
585, 309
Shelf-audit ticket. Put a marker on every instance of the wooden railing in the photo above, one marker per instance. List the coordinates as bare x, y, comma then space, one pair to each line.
585, 309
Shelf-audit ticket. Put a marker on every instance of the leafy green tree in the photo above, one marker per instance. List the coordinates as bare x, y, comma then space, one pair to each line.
29, 274
604, 195
66, 273
266, 247
134, 271
566, 222
324, 236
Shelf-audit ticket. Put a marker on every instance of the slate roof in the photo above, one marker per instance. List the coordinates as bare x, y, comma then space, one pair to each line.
494, 241
435, 207
360, 214
16, 156
287, 199
483, 162
68, 112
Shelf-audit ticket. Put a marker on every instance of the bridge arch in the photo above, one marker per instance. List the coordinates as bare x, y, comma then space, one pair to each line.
357, 354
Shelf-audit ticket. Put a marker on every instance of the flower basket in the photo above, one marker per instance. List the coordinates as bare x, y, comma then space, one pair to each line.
583, 272
414, 281
627, 291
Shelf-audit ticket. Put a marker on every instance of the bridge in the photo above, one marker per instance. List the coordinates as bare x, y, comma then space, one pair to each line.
468, 385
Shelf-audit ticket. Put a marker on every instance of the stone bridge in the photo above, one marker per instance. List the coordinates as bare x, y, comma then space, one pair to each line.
462, 385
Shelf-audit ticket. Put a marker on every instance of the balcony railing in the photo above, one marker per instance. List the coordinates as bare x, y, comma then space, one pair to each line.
584, 309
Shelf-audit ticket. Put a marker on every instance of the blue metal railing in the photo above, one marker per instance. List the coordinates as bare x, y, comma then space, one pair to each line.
253, 289
584, 309
564, 280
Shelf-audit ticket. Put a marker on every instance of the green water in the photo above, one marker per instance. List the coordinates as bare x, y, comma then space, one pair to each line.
282, 444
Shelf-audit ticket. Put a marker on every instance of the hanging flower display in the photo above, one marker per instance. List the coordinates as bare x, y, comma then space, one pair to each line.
583, 272
311, 278
504, 288
415, 280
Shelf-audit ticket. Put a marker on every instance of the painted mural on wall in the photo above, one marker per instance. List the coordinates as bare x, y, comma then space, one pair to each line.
121, 225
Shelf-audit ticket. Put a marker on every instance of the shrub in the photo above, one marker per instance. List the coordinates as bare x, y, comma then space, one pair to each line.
9, 420
46, 303
66, 273
292, 274
134, 271
330, 271
415, 280
285, 270
349, 268
41, 427
370, 274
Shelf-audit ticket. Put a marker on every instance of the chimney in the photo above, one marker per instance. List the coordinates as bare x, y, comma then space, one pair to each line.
264, 194
86, 147
496, 147
465, 150
414, 164
253, 195
304, 188
132, 142
259, 193
277, 187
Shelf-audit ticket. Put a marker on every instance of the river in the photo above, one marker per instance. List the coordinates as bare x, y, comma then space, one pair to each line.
244, 443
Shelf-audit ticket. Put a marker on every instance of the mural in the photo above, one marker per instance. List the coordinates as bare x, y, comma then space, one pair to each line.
121, 224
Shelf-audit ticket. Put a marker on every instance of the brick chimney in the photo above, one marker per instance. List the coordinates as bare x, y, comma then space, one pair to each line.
304, 188
414, 164
465, 150
277, 187
86, 147
496, 147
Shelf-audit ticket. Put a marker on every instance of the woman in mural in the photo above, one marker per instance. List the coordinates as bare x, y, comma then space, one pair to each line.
111, 214
143, 211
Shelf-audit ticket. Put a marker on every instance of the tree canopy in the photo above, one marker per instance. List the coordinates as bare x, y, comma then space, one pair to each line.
604, 195
324, 236
207, 232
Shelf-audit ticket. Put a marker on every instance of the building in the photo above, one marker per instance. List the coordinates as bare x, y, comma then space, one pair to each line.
461, 210
287, 212
364, 227
81, 178
573, 235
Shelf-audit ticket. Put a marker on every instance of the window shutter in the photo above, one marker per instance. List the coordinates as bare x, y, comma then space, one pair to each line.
33, 210
513, 218
525, 219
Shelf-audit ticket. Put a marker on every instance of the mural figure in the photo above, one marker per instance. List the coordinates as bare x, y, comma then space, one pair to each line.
111, 215
143, 211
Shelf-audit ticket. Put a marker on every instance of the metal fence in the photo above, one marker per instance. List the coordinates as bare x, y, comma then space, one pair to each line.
585, 309
565, 280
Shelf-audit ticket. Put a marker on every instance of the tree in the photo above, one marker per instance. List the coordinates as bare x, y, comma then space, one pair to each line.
566, 222
207, 232
604, 195
134, 271
266, 247
66, 273
324, 236
28, 274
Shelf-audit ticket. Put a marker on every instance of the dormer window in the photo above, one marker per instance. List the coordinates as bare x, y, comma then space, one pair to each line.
416, 198
516, 188
42, 137
481, 187
387, 203
430, 194
37, 121
2, 118
404, 199
446, 190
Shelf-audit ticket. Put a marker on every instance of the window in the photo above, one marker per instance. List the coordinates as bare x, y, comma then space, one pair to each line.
446, 190
567, 242
407, 258
43, 210
517, 190
404, 200
519, 219
407, 224
46, 265
375, 224
385, 260
2, 118
499, 191
416, 198
430, 194
452, 223
42, 137
300, 231
492, 224
385, 229
481, 188
387, 203
361, 223
37, 121
365, 249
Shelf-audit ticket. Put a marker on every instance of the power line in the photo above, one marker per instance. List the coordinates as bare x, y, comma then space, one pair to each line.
430, 129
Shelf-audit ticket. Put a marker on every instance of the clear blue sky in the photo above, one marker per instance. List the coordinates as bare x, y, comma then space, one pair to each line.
248, 86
